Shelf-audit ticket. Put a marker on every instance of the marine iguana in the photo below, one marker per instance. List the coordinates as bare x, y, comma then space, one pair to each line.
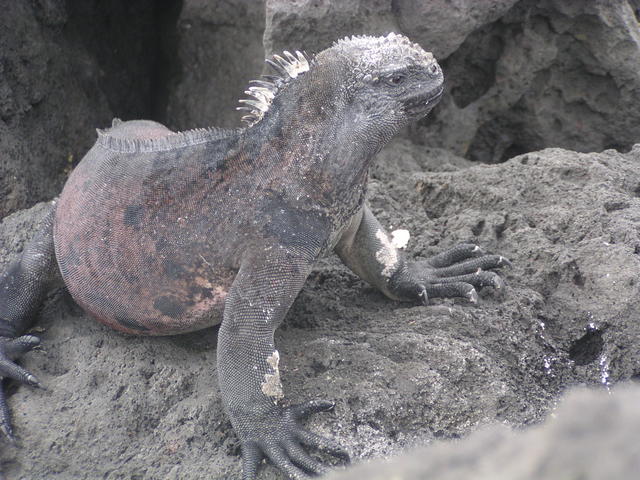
159, 233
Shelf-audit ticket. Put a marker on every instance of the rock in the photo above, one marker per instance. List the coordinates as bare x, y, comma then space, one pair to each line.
592, 435
120, 407
66, 68
219, 49
521, 75
548, 73
313, 25
569, 220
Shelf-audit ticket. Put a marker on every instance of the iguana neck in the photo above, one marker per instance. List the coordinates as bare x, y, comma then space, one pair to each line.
316, 146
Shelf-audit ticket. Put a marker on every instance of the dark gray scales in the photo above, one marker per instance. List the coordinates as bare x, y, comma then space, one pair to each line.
160, 233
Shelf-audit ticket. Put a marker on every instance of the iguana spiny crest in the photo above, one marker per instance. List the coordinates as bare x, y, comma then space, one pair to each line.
382, 72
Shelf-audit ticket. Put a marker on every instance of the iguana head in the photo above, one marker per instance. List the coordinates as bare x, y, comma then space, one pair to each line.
389, 77
374, 84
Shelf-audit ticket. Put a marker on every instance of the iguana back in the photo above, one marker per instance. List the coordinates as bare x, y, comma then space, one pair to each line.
147, 200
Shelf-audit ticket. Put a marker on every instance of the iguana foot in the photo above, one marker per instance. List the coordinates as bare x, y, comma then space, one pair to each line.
10, 349
280, 438
456, 272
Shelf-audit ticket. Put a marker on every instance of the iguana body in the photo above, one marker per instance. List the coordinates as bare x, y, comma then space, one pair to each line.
160, 233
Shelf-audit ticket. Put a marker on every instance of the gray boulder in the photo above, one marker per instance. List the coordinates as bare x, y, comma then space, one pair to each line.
592, 435
66, 68
218, 49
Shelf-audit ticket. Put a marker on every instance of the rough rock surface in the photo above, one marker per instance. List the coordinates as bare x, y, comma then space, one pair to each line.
441, 25
590, 437
125, 407
66, 68
521, 74
219, 49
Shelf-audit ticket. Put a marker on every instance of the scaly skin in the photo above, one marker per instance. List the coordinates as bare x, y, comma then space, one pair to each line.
160, 233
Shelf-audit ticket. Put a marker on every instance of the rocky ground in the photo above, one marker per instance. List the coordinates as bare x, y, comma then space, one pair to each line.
124, 407
523, 75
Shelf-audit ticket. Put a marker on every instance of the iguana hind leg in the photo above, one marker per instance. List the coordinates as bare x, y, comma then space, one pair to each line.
22, 289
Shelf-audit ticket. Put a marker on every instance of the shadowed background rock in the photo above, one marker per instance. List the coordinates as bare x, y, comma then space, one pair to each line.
521, 76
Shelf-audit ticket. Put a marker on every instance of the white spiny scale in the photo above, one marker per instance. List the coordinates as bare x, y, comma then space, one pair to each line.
302, 61
281, 61
289, 56
297, 64
268, 85
255, 103
263, 92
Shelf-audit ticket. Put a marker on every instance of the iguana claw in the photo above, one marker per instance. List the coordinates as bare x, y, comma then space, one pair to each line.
457, 272
11, 348
282, 443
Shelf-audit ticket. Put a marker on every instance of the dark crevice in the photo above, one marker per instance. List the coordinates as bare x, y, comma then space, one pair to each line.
166, 70
133, 43
118, 35
478, 228
471, 70
513, 150
622, 148
587, 348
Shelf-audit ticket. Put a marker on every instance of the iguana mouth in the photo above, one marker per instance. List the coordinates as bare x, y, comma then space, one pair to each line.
421, 104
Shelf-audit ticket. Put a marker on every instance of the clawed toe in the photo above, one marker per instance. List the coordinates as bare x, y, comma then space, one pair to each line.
457, 272
9, 369
283, 443
456, 254
453, 289
423, 296
10, 349
5, 418
486, 262
15, 347
472, 296
304, 410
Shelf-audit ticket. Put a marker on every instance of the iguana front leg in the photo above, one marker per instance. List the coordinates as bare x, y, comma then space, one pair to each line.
249, 376
366, 248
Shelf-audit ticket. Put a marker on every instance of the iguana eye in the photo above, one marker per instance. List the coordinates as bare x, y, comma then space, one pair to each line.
395, 79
